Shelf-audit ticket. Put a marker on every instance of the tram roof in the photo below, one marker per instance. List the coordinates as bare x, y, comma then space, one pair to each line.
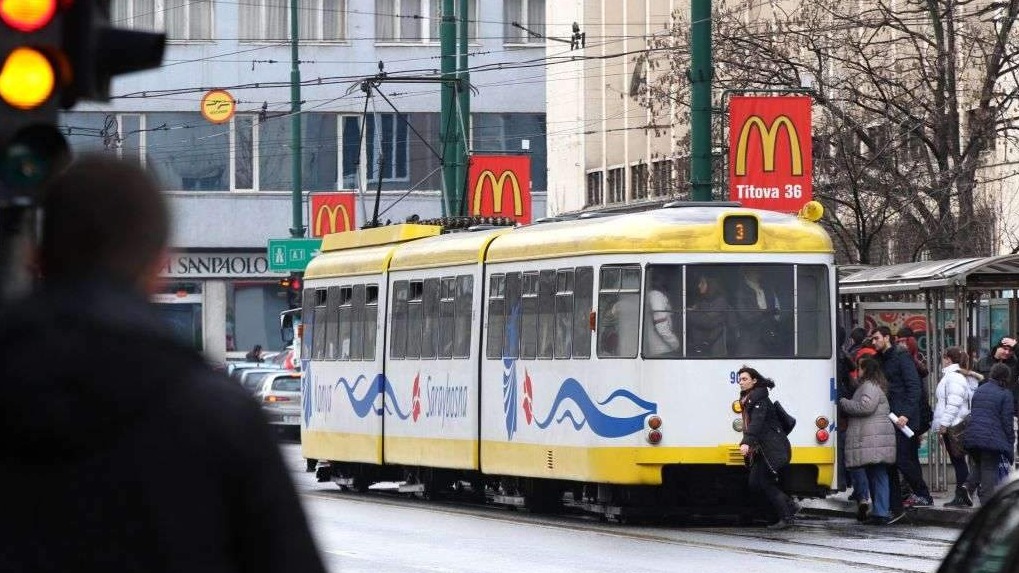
452, 249
363, 261
671, 229
1001, 272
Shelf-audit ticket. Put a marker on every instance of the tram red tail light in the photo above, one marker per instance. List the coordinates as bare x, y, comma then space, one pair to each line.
822, 436
821, 422
654, 437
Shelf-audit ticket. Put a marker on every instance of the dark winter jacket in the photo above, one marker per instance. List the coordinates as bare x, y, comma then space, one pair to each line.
125, 452
762, 431
990, 426
706, 321
985, 364
903, 385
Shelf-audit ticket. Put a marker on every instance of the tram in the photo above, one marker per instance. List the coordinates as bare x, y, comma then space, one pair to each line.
591, 359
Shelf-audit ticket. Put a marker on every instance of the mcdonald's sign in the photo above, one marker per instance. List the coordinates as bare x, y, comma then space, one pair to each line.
770, 162
331, 213
500, 186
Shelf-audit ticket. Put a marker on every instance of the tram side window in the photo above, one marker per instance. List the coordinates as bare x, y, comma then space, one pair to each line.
398, 344
496, 315
511, 345
357, 324
529, 316
583, 300
564, 314
346, 312
447, 301
371, 320
546, 313
318, 350
663, 312
813, 318
308, 315
429, 318
618, 311
414, 318
462, 317
332, 322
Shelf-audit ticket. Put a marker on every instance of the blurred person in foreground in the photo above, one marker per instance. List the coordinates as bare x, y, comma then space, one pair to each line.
151, 463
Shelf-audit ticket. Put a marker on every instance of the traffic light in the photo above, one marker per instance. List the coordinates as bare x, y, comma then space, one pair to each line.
294, 284
31, 76
54, 53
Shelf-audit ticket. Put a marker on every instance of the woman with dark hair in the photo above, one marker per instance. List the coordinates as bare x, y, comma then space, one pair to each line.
765, 446
951, 406
988, 438
870, 440
707, 318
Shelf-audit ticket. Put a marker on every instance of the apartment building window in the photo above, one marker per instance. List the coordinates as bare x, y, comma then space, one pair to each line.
416, 20
264, 20
638, 180
322, 20
528, 13
616, 185
661, 178
594, 188
180, 19
385, 132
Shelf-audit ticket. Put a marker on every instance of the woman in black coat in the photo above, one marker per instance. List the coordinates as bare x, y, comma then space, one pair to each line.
765, 446
988, 438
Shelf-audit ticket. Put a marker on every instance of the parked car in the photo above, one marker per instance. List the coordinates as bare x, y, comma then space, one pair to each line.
280, 396
990, 541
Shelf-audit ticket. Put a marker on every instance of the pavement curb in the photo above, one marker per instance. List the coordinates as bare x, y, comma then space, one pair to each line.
934, 515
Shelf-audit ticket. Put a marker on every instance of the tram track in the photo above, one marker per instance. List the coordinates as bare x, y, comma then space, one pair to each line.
867, 555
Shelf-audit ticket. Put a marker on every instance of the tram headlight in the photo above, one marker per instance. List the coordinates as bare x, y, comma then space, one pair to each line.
737, 424
737, 406
654, 422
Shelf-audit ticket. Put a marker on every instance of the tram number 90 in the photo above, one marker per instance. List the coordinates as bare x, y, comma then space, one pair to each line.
739, 230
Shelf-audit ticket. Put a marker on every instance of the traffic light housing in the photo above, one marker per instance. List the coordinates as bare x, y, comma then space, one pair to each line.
54, 53
293, 286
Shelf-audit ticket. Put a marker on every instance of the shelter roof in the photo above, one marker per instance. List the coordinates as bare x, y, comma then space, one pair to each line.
974, 273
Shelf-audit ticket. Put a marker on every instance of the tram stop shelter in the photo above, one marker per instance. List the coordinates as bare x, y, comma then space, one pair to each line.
968, 302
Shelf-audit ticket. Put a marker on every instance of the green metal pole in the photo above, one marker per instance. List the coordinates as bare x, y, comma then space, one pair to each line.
464, 99
700, 99
297, 228
447, 121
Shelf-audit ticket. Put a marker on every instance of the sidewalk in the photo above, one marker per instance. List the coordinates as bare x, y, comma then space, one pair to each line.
937, 514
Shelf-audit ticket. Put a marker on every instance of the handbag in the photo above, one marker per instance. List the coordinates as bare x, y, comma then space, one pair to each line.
785, 421
954, 435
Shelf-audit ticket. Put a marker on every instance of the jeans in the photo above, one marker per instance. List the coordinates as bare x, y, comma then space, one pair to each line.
764, 481
983, 472
861, 487
877, 476
907, 461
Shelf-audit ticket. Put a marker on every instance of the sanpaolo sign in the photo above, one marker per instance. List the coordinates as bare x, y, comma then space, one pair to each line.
770, 163
331, 213
500, 186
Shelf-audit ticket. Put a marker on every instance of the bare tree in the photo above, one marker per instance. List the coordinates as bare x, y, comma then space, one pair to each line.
910, 100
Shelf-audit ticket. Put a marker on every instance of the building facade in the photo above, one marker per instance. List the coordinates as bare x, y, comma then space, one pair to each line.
230, 183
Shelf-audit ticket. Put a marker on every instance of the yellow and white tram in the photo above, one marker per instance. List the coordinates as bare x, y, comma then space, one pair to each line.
596, 356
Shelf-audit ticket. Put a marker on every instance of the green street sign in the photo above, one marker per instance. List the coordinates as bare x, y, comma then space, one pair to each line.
286, 255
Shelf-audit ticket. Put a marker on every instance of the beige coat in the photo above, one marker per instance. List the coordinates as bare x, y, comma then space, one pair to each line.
870, 435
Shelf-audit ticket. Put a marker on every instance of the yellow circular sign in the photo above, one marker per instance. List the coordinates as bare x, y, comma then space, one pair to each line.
218, 106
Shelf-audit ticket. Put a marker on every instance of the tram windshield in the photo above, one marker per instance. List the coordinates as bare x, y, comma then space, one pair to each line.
737, 311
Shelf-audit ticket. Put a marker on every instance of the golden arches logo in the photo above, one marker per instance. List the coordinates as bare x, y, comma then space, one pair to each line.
497, 189
768, 136
331, 211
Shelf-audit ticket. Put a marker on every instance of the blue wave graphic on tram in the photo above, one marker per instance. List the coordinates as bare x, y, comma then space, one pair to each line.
364, 405
599, 422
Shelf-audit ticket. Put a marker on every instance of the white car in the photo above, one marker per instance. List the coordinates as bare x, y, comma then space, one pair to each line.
280, 396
